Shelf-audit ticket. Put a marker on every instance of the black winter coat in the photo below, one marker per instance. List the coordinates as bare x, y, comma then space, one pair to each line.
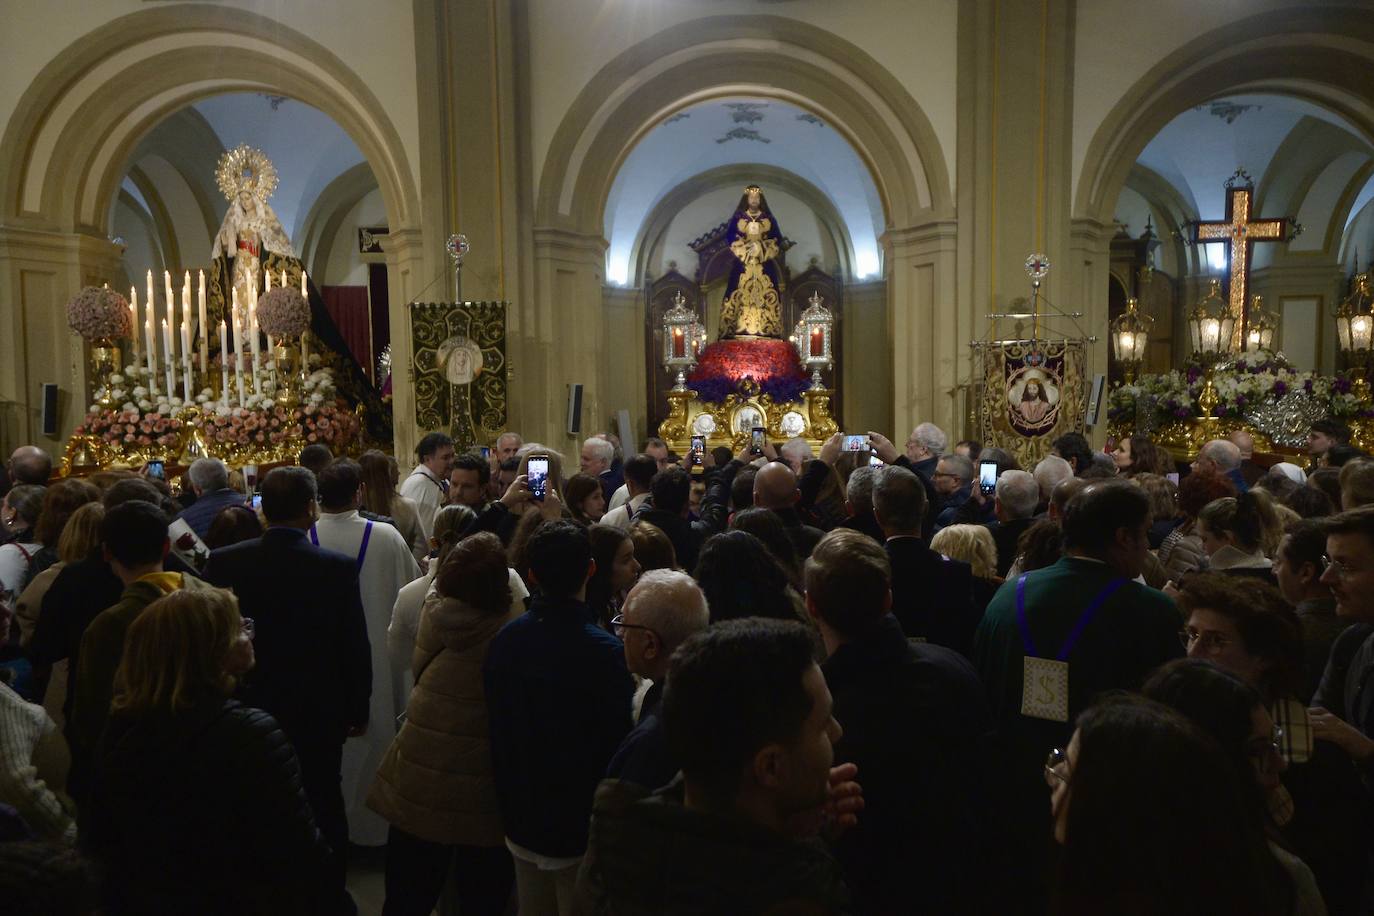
204, 813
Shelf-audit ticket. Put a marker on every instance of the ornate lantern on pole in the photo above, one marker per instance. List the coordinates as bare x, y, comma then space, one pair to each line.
1355, 331
679, 340
1210, 326
1260, 327
1130, 335
813, 339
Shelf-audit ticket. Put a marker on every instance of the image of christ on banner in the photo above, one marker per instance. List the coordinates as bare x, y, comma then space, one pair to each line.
1032, 399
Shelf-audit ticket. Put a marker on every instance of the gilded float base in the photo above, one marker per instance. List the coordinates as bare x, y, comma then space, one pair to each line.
730, 422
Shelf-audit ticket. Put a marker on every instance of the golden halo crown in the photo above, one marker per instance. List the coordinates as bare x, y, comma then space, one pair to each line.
753, 187
244, 168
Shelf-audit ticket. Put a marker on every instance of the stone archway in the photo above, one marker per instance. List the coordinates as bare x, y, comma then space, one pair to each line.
65, 151
768, 57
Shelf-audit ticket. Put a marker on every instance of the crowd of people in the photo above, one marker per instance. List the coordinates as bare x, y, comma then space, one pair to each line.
900, 680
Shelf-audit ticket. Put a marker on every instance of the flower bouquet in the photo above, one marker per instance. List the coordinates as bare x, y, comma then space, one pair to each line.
99, 313
283, 313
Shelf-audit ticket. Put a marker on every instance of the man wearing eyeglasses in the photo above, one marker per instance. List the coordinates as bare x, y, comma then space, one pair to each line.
661, 611
1343, 708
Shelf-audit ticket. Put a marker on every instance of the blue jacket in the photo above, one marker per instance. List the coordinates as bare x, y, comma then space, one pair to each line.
200, 515
558, 698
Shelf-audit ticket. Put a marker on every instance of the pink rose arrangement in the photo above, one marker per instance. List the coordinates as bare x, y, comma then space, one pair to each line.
97, 312
283, 312
132, 428
324, 423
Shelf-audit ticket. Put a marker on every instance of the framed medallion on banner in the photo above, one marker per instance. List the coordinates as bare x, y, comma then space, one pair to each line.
1033, 391
460, 369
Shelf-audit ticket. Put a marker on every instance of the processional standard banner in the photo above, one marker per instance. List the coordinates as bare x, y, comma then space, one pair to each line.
1033, 392
459, 365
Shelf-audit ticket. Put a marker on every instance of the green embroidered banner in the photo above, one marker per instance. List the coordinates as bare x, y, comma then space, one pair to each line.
460, 370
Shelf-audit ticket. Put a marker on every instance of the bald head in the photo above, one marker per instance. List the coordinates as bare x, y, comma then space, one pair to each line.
775, 486
1243, 441
30, 464
663, 609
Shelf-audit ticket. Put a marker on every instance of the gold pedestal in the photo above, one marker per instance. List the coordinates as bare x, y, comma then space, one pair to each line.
730, 422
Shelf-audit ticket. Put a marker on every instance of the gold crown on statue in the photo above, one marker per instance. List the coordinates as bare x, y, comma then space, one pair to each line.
753, 187
244, 168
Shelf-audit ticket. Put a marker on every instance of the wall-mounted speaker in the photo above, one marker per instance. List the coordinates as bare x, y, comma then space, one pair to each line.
574, 409
50, 410
1095, 399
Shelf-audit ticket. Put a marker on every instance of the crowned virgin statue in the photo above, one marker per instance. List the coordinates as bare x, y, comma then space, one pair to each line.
752, 307
252, 242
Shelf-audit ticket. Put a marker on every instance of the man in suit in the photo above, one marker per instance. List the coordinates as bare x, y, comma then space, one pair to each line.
932, 596
775, 489
926, 832
210, 481
314, 663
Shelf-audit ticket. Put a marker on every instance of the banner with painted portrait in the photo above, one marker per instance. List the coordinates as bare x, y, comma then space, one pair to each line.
1032, 393
459, 364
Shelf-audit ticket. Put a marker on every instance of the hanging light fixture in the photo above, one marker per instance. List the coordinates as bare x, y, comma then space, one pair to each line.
1130, 337
1354, 332
1260, 327
1210, 327
679, 345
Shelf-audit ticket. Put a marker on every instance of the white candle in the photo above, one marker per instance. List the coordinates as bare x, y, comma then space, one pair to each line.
271, 360
253, 342
150, 303
283, 277
303, 292
204, 333
238, 359
133, 322
223, 364
268, 278
150, 350
171, 313
168, 358
186, 361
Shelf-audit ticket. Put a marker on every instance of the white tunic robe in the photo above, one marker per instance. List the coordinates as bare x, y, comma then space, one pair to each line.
425, 490
387, 566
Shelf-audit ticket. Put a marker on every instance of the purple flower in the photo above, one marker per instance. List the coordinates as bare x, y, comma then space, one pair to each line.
1280, 389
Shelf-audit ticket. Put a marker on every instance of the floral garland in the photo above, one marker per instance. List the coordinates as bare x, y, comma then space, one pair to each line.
1244, 384
773, 365
98, 313
151, 418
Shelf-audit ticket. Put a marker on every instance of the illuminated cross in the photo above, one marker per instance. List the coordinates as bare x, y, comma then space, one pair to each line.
1240, 231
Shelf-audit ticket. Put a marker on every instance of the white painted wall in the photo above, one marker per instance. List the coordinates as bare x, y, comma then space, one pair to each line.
571, 40
345, 266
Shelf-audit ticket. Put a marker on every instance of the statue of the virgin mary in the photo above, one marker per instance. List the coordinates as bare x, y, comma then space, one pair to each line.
752, 307
249, 243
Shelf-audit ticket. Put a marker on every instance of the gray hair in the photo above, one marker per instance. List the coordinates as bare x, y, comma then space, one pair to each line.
899, 498
859, 489
208, 474
1018, 493
602, 448
960, 465
670, 603
933, 438
1224, 452
798, 448
1049, 472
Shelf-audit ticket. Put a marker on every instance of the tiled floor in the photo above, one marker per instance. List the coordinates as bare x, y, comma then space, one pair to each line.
366, 879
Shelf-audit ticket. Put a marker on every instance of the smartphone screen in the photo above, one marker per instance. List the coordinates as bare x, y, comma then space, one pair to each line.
855, 444
987, 477
537, 474
486, 453
696, 457
756, 441
157, 469
257, 501
874, 461
1172, 478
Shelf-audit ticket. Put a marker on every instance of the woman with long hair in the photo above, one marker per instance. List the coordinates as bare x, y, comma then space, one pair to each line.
767, 526
617, 570
60, 500
380, 473
434, 785
586, 500
197, 805
653, 548
1236, 534
741, 578
1149, 814
20, 512
1232, 711
1138, 455
1181, 552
